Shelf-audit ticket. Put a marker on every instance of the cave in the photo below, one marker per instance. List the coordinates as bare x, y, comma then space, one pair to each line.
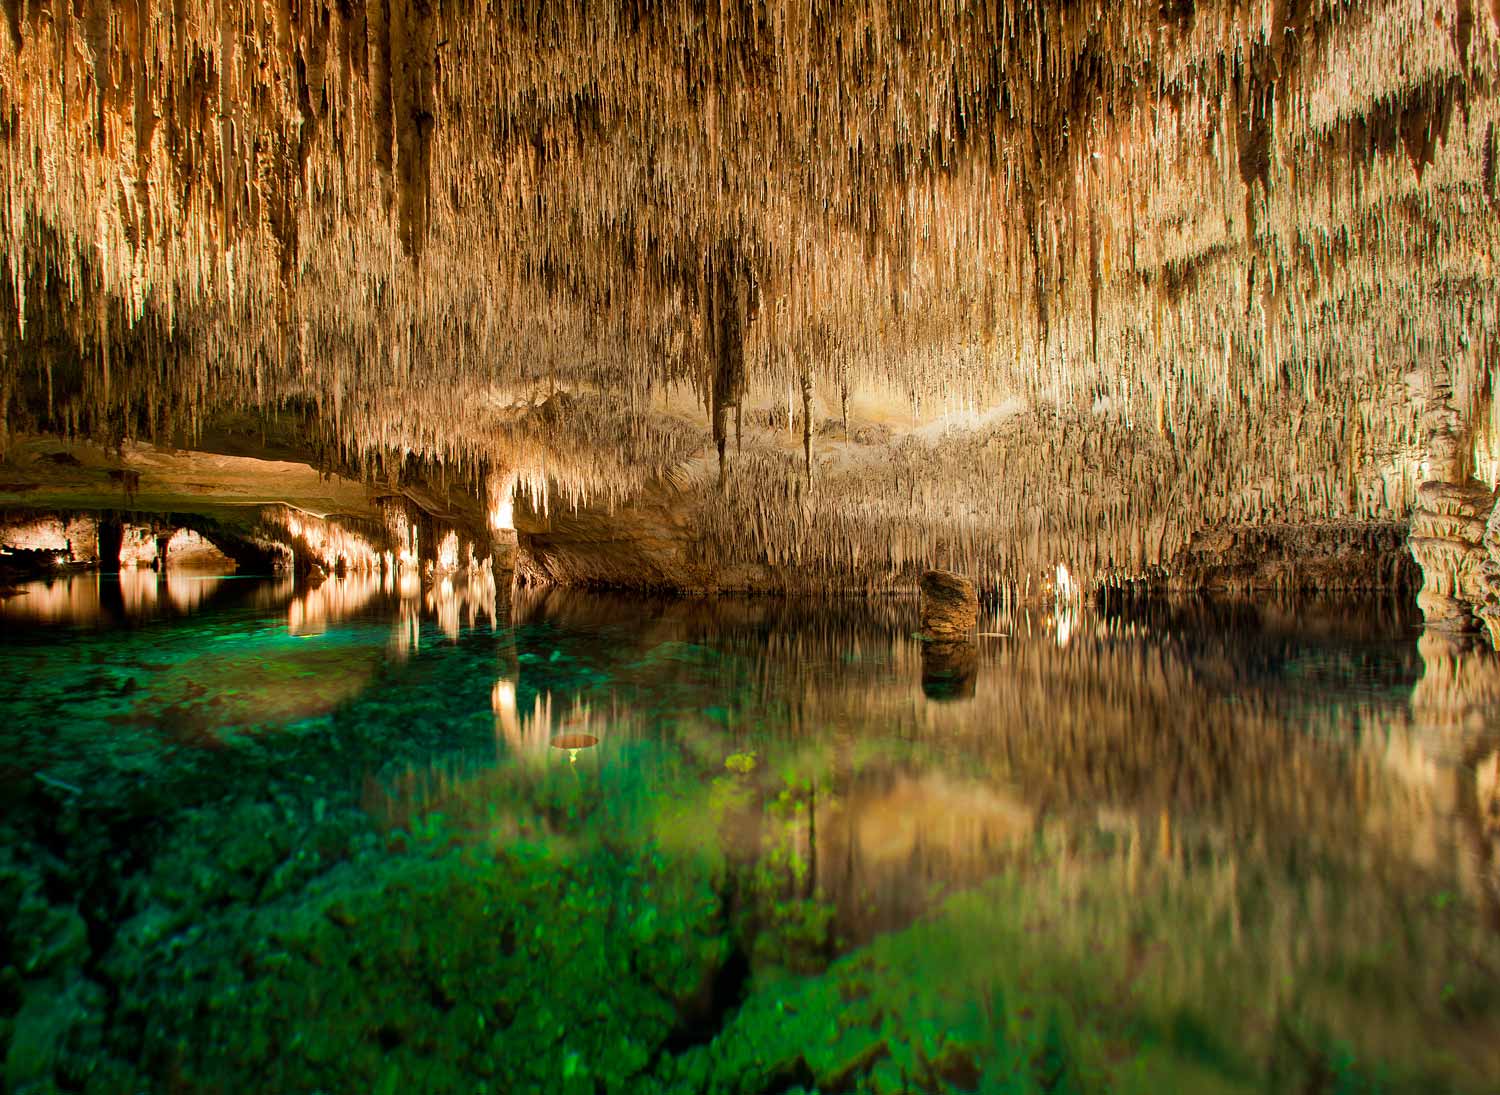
749, 545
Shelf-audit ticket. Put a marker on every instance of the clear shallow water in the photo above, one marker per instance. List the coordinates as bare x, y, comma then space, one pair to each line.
363, 838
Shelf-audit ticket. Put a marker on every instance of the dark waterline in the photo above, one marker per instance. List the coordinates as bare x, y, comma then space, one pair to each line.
1201, 846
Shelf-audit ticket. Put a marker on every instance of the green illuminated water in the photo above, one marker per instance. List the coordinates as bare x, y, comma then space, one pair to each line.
265, 839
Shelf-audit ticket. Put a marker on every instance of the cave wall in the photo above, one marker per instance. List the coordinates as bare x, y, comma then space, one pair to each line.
59, 497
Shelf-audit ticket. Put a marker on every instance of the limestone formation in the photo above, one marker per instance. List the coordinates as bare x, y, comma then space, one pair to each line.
1489, 578
1123, 271
950, 606
1342, 556
1449, 521
1446, 539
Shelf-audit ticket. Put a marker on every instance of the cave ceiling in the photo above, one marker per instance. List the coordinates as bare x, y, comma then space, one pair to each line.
990, 285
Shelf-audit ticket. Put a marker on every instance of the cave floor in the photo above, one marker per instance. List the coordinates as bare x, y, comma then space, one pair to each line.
358, 838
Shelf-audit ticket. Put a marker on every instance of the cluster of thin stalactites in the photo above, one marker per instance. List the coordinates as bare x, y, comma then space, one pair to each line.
1205, 245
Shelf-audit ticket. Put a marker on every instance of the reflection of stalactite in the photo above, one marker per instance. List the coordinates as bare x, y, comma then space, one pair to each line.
1477, 798
1458, 696
949, 670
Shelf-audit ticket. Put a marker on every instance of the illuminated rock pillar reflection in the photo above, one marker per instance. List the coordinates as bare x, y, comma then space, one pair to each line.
1456, 706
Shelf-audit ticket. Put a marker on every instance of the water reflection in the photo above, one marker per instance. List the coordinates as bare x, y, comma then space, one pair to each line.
88, 600
146, 593
1236, 803
1454, 760
549, 720
468, 598
1285, 731
465, 599
1291, 804
949, 670
228, 655
333, 600
1268, 818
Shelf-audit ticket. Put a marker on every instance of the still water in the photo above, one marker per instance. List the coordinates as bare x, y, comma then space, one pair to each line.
370, 838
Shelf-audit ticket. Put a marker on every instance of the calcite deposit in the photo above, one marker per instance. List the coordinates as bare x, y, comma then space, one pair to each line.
1455, 530
855, 292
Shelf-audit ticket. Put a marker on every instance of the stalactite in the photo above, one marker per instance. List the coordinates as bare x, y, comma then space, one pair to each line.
1192, 250
807, 390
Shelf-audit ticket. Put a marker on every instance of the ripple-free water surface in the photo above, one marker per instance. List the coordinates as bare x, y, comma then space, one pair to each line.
360, 838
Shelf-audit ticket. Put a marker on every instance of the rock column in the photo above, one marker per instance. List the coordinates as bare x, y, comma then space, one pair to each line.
503, 543
1448, 524
111, 538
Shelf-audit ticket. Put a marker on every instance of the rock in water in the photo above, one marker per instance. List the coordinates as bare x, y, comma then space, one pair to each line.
950, 607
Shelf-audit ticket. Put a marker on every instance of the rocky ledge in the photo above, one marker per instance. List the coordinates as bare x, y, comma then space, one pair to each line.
1336, 555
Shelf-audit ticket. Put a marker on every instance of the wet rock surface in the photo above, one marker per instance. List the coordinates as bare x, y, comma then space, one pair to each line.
950, 606
1449, 523
1447, 532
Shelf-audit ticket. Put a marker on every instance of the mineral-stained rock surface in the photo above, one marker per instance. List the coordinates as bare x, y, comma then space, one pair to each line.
1447, 532
1455, 538
1489, 578
950, 606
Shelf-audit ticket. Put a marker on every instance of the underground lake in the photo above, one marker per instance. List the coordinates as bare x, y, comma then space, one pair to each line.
261, 837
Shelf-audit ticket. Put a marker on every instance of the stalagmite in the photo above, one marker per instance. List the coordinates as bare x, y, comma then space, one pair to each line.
950, 607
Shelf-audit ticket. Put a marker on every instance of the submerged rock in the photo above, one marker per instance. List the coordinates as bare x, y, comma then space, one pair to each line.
949, 670
439, 971
950, 605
